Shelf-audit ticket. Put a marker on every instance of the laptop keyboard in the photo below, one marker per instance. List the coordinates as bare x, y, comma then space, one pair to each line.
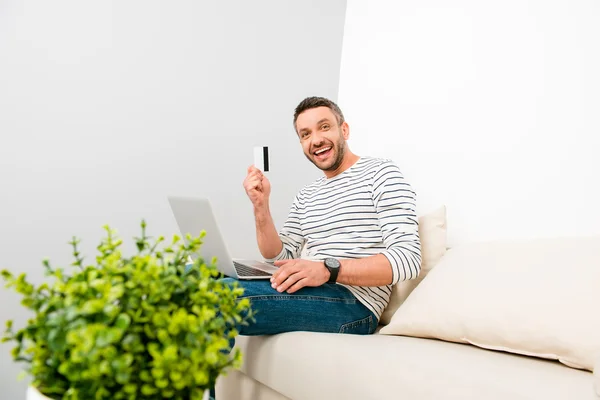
244, 270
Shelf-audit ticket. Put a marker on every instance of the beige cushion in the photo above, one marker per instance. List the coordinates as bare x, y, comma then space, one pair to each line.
597, 376
539, 298
315, 366
432, 232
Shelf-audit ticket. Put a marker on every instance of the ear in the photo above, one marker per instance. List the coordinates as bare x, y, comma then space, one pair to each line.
345, 130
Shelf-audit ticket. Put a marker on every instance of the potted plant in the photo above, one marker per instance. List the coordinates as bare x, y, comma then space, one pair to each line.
149, 326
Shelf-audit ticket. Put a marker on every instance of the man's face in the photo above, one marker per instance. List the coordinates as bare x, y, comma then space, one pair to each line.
323, 140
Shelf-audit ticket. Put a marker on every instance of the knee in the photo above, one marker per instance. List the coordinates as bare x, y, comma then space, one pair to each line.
228, 281
250, 287
232, 282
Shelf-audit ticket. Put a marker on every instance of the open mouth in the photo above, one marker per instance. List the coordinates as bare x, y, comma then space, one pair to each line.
323, 153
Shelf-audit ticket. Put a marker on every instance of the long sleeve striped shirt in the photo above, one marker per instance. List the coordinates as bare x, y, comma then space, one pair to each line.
368, 209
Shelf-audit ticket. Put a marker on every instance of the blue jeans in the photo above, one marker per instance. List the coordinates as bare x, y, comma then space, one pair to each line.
328, 308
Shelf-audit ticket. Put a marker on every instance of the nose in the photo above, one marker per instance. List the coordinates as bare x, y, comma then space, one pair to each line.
316, 140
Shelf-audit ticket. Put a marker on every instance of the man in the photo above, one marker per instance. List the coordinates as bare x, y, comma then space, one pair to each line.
357, 225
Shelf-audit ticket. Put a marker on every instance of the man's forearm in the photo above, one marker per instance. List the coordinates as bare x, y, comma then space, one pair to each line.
369, 271
269, 243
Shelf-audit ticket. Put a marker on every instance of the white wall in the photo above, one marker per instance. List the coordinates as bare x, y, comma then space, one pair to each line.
492, 108
108, 107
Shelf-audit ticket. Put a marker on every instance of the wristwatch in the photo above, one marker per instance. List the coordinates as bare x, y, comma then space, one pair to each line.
333, 266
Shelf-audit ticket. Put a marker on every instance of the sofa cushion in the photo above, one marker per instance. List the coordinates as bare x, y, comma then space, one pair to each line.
597, 376
538, 297
432, 233
309, 366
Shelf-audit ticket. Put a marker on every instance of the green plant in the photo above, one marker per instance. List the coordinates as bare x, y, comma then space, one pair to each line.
145, 326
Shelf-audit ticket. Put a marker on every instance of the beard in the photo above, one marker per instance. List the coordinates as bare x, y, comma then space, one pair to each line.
338, 150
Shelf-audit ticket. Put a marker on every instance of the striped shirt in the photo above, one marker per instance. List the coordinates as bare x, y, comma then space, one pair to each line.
368, 209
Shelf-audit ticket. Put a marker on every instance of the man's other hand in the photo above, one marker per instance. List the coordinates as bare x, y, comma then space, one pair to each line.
297, 273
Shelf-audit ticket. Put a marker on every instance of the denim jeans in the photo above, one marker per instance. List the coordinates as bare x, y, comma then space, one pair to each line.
328, 308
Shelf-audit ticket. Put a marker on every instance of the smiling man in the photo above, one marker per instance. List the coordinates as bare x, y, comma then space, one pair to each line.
349, 236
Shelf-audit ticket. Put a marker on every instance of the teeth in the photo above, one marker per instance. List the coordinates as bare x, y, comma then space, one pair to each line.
322, 150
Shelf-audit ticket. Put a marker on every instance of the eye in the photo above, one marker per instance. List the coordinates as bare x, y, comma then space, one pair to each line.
325, 127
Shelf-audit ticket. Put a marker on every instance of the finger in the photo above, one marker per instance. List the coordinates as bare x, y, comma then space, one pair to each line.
279, 276
280, 263
284, 273
253, 171
254, 181
254, 175
290, 281
298, 285
275, 274
253, 184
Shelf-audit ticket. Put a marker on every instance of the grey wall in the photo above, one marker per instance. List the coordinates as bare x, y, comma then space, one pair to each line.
108, 107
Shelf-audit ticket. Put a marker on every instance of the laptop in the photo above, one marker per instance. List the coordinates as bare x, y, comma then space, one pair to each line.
194, 215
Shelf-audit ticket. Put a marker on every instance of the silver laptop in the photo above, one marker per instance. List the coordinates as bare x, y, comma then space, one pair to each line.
194, 215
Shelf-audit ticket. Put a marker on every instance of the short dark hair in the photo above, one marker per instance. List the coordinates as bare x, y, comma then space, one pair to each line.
314, 102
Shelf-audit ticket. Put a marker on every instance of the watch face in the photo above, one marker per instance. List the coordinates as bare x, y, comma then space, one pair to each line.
332, 263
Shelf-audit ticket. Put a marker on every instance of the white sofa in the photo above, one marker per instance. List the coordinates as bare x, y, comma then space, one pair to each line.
505, 320
315, 366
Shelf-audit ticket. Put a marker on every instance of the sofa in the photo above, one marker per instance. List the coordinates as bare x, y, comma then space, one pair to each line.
485, 320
